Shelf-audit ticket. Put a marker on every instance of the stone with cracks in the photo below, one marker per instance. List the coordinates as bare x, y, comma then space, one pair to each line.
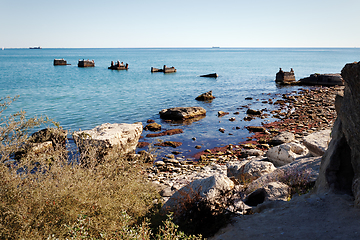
249, 170
318, 142
286, 153
123, 136
209, 189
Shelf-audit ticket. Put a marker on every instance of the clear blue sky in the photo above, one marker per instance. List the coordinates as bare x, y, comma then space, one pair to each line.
158, 23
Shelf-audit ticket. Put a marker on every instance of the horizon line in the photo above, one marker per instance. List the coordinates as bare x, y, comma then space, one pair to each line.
173, 47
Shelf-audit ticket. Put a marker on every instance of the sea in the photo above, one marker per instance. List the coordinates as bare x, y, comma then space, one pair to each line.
83, 98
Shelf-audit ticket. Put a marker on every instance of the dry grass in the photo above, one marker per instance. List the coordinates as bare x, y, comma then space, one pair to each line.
45, 195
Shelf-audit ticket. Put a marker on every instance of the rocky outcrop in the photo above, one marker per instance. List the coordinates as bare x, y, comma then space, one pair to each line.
182, 113
340, 166
122, 136
330, 79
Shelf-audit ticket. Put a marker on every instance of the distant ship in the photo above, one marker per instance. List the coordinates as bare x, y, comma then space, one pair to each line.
215, 47
35, 47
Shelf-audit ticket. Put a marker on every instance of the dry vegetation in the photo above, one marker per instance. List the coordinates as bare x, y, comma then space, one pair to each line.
46, 195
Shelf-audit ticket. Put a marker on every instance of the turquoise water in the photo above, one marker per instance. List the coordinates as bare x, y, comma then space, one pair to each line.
87, 97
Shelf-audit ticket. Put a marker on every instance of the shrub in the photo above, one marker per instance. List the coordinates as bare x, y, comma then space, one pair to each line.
43, 195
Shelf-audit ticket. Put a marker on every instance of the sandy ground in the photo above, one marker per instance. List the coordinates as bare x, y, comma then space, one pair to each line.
309, 216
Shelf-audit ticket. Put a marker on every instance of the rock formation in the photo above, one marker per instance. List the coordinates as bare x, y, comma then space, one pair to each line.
205, 96
329, 79
123, 136
182, 113
340, 165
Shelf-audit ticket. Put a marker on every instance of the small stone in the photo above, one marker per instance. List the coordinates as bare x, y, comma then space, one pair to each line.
222, 130
197, 146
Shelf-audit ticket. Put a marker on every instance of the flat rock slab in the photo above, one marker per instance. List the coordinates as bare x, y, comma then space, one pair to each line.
182, 113
121, 135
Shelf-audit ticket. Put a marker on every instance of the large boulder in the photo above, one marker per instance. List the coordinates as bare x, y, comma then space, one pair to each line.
306, 169
122, 136
286, 153
209, 189
249, 170
273, 191
318, 142
340, 166
182, 113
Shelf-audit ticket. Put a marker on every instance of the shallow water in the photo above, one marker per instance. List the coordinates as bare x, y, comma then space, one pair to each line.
87, 97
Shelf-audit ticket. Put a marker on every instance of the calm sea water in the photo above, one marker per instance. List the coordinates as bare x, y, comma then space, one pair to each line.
87, 97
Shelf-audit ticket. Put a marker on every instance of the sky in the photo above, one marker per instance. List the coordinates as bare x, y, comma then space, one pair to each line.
172, 23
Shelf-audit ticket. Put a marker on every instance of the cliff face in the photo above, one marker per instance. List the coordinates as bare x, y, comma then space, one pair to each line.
340, 166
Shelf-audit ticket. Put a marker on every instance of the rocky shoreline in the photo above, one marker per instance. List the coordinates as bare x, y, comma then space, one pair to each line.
301, 115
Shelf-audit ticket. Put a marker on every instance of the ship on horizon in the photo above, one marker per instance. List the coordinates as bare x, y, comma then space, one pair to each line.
38, 47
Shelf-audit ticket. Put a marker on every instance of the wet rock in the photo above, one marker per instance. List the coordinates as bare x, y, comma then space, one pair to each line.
153, 127
169, 144
253, 112
166, 133
182, 113
142, 144
205, 96
256, 129
221, 113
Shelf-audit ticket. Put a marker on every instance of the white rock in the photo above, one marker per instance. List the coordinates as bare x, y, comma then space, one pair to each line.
123, 136
286, 153
210, 189
318, 142
249, 169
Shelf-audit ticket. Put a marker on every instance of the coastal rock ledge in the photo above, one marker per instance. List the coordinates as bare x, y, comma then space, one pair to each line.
182, 113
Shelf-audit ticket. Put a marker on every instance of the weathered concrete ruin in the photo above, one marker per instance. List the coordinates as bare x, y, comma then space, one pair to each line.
118, 66
165, 69
86, 63
285, 77
60, 62
340, 165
